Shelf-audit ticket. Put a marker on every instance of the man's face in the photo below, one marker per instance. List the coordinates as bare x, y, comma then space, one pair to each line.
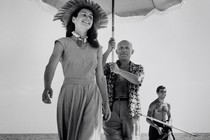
162, 93
124, 50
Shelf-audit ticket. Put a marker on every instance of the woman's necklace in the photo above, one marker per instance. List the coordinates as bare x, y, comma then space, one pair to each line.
80, 40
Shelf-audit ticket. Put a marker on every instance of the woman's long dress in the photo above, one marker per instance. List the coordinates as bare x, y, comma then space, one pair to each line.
79, 115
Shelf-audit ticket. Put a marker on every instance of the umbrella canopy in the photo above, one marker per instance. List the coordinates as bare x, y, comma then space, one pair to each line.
126, 8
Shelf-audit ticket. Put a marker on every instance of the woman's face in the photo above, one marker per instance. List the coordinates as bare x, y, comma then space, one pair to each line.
84, 19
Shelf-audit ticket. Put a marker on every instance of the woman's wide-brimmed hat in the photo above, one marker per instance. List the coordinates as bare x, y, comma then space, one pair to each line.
99, 16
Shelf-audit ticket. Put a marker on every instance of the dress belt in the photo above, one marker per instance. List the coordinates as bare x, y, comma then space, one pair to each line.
78, 81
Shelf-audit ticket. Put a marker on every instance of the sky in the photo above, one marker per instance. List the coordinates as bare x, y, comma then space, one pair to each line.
172, 46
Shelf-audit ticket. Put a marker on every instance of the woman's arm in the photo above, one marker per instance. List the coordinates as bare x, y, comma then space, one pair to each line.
50, 71
101, 82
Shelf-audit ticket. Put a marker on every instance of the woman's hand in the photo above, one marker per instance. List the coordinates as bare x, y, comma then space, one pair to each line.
46, 95
106, 113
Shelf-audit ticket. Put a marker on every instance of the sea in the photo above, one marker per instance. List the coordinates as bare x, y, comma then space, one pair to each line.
53, 136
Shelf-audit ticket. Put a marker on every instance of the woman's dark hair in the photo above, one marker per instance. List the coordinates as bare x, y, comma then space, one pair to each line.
159, 88
91, 33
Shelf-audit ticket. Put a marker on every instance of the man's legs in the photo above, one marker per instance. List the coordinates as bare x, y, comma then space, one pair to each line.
153, 133
119, 127
112, 128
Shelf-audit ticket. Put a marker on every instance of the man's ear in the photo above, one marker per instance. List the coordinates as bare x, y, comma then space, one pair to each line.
132, 51
116, 51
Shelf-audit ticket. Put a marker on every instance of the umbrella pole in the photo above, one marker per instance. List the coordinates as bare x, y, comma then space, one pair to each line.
113, 5
168, 125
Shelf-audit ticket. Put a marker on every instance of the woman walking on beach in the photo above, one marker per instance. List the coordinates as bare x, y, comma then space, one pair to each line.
79, 106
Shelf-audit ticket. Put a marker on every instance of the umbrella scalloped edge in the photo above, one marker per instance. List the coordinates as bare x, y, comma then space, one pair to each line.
151, 13
47, 8
52, 10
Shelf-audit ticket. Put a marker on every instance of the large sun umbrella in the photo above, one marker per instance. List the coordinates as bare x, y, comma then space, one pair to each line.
126, 8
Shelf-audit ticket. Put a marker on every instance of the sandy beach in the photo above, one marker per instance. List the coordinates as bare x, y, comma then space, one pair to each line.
179, 136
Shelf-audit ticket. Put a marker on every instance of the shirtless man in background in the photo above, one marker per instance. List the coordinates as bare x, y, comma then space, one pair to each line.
160, 110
